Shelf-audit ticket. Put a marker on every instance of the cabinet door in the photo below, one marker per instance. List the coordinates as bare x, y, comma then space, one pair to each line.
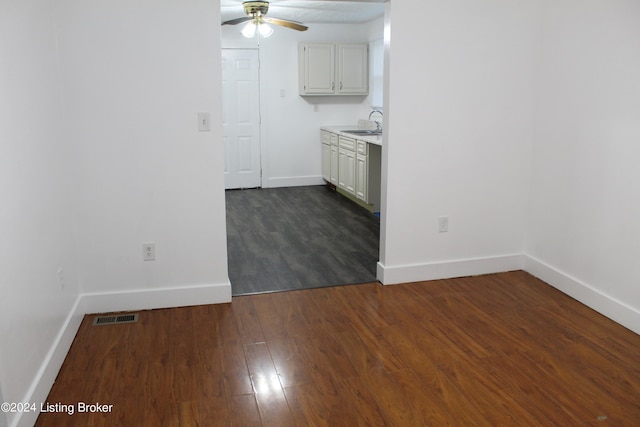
353, 69
333, 177
347, 173
326, 162
325, 156
318, 68
362, 176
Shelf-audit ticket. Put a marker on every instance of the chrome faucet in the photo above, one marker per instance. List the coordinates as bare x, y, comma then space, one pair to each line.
378, 124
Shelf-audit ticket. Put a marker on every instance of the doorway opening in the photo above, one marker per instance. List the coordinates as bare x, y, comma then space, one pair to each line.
275, 235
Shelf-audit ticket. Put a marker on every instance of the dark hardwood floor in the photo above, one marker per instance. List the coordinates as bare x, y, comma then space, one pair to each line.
298, 238
496, 350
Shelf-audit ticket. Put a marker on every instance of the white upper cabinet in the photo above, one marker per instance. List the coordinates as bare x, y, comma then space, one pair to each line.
353, 69
317, 68
333, 69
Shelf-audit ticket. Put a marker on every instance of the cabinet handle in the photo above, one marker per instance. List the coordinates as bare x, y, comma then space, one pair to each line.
340, 85
333, 85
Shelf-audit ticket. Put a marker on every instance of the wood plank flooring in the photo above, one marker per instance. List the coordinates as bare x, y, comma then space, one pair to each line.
298, 238
496, 350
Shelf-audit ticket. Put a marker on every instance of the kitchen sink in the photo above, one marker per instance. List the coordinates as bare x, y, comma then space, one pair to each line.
367, 132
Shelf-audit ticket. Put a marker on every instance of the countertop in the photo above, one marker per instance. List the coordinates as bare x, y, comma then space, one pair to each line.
371, 139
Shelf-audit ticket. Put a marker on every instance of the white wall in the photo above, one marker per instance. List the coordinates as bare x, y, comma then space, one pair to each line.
3, 416
290, 131
519, 121
136, 75
36, 202
99, 153
583, 230
459, 130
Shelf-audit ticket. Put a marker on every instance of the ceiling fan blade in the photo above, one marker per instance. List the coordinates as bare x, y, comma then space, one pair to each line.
237, 21
285, 23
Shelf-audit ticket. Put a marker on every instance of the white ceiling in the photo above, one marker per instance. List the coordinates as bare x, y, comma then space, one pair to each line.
310, 11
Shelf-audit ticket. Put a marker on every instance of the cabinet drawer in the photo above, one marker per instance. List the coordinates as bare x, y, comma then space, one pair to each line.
325, 137
363, 148
347, 143
334, 139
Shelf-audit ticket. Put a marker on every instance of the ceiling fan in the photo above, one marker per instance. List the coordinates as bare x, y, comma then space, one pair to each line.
256, 11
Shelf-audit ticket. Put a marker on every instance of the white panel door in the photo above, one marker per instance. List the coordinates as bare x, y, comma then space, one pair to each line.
241, 118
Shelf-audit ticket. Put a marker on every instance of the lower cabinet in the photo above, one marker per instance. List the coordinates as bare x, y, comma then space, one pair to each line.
326, 161
329, 158
347, 164
353, 166
333, 159
362, 172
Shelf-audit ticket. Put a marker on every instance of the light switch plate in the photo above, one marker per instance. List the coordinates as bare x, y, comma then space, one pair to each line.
443, 224
204, 122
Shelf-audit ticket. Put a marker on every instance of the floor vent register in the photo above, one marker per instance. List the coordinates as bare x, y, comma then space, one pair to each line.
112, 320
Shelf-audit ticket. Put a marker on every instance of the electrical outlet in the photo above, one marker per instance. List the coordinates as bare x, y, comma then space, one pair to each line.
149, 251
61, 278
443, 224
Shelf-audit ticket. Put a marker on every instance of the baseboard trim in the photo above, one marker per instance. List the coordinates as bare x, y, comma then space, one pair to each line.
604, 304
50, 367
139, 299
147, 299
293, 181
616, 310
391, 275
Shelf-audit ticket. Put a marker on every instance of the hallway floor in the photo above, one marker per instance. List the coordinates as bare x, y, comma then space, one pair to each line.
298, 238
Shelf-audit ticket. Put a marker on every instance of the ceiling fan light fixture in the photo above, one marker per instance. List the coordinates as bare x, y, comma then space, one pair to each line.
256, 20
254, 27
249, 30
264, 30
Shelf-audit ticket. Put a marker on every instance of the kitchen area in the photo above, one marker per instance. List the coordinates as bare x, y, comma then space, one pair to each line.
351, 162
351, 154
290, 118
319, 125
